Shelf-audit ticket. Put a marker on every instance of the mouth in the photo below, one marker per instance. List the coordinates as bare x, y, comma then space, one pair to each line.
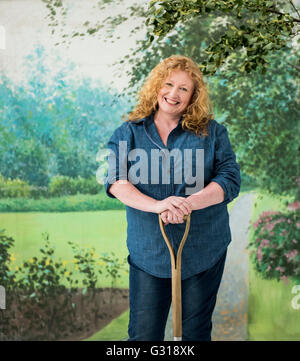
171, 102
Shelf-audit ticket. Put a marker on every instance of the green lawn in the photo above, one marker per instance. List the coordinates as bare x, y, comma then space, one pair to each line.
116, 330
103, 230
270, 314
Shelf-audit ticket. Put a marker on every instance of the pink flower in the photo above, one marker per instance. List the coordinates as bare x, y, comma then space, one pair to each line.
280, 269
294, 206
271, 225
268, 226
263, 218
259, 254
268, 213
290, 255
256, 224
265, 243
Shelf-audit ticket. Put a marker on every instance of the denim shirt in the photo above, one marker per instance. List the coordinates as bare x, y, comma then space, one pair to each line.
209, 233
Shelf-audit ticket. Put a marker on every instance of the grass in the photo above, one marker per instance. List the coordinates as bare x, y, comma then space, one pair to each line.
270, 314
116, 330
103, 230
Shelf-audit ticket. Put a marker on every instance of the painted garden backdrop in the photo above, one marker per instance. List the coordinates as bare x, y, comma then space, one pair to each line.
63, 268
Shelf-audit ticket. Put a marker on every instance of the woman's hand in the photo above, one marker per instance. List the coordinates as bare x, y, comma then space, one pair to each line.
168, 217
178, 206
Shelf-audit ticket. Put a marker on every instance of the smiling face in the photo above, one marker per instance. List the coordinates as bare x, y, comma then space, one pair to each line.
175, 94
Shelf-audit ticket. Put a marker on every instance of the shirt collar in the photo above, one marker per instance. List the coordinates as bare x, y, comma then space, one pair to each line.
151, 130
149, 119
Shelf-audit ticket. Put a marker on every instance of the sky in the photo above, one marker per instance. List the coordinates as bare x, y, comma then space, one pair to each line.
23, 25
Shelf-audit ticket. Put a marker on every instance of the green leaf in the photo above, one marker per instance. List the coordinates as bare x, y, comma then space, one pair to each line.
268, 46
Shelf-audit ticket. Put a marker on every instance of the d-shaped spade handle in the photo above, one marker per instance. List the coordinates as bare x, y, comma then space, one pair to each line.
176, 277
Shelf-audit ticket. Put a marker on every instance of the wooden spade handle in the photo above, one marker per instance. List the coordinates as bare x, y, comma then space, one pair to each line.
176, 277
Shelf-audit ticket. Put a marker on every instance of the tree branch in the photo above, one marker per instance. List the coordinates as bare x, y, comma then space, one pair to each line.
280, 13
297, 11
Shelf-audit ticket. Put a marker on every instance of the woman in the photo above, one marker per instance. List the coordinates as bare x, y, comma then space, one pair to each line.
173, 115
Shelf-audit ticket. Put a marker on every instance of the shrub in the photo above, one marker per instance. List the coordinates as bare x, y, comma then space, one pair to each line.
87, 185
44, 301
63, 185
37, 192
13, 188
17, 188
6, 276
59, 186
275, 245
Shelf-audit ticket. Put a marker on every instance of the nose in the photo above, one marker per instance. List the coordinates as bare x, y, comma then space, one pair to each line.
173, 92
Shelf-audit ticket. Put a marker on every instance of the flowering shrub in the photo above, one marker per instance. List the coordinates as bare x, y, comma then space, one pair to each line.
275, 245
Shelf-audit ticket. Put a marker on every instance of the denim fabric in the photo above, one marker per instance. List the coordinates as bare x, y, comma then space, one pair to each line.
209, 233
150, 299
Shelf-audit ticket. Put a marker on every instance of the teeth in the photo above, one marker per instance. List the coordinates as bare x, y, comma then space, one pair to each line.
170, 101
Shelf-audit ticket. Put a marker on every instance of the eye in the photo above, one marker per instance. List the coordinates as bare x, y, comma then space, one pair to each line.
184, 89
169, 84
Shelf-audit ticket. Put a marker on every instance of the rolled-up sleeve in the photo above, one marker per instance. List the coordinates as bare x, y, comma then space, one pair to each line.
226, 169
117, 158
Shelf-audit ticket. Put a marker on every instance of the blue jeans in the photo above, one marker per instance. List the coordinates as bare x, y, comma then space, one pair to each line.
150, 300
